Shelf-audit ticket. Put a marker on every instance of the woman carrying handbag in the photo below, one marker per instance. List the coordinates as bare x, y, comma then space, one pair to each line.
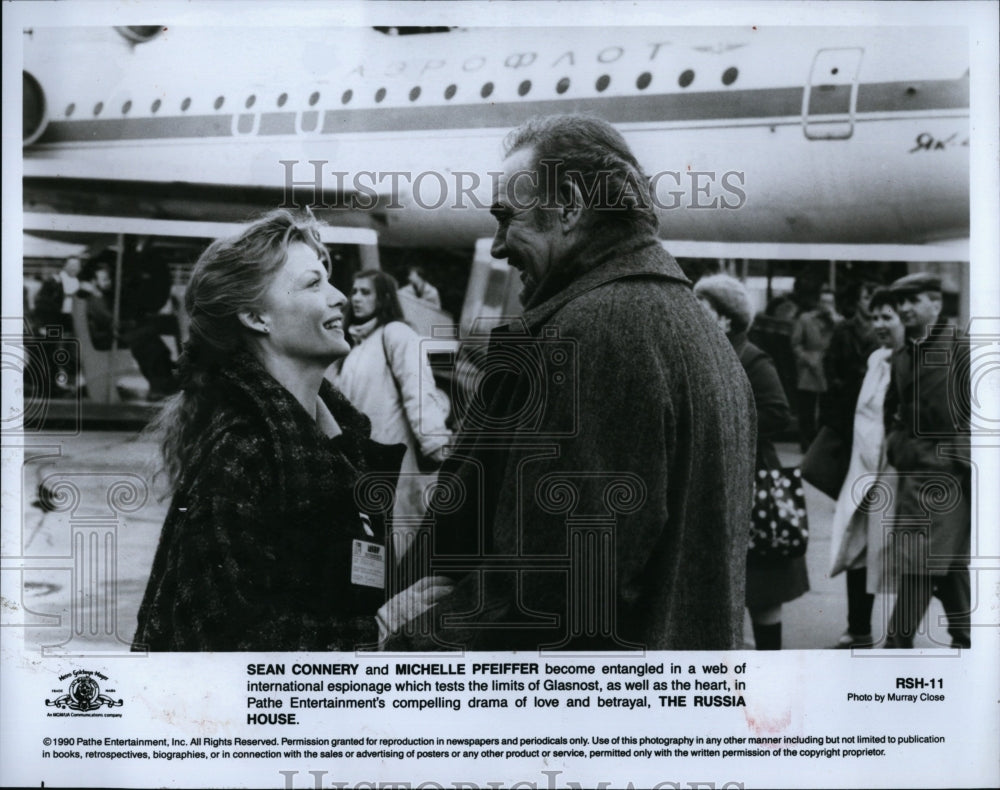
387, 377
776, 566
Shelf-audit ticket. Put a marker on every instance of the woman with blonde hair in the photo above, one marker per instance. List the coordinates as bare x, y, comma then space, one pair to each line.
260, 547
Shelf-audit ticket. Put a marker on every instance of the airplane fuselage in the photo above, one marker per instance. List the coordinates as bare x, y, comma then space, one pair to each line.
788, 135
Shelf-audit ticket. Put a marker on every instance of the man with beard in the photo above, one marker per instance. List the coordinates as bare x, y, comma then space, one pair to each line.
602, 479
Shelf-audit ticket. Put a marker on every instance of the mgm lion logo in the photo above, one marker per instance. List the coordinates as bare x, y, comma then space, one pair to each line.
84, 695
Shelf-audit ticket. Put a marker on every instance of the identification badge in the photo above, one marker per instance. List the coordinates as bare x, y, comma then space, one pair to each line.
368, 564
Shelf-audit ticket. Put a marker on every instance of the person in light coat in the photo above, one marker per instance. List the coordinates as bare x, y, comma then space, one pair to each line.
387, 377
418, 287
857, 541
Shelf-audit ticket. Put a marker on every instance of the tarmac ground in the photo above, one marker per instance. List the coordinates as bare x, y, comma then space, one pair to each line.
75, 567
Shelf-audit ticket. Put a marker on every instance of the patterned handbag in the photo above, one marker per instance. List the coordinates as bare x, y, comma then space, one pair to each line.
779, 527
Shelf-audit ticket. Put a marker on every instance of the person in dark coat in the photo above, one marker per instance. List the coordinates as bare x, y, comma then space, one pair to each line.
811, 336
846, 363
146, 282
769, 583
599, 492
260, 548
96, 289
927, 441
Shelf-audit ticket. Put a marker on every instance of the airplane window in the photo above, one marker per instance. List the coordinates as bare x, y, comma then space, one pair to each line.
70, 109
380, 94
686, 78
415, 93
250, 100
348, 95
563, 85
644, 79
126, 107
98, 108
282, 99
523, 88
729, 75
449, 92
486, 90
602, 82
313, 98
155, 107
185, 104
219, 101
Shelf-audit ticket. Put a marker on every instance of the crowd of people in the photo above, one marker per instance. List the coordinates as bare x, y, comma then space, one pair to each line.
138, 326
625, 410
895, 430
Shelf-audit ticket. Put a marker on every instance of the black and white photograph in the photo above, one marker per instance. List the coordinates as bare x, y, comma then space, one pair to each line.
609, 391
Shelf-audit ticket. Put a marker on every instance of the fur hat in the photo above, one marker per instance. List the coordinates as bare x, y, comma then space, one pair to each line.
729, 297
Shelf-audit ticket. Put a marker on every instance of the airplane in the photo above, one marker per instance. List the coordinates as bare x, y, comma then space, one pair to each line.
821, 143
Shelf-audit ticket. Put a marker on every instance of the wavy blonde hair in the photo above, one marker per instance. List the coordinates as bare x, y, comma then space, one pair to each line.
230, 277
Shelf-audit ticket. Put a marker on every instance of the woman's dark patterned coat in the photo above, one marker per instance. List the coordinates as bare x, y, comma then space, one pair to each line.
255, 552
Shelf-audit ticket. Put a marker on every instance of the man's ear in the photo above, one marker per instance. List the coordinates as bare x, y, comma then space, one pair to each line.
570, 205
254, 321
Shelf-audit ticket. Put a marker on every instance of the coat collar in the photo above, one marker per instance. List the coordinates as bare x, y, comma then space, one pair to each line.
255, 394
932, 333
359, 332
859, 323
599, 262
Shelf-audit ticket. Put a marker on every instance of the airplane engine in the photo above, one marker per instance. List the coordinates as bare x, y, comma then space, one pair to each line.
35, 115
140, 34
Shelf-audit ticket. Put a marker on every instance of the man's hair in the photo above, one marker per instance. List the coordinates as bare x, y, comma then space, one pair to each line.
880, 298
593, 155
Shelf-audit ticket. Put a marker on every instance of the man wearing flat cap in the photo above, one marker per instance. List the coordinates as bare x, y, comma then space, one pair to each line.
927, 439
